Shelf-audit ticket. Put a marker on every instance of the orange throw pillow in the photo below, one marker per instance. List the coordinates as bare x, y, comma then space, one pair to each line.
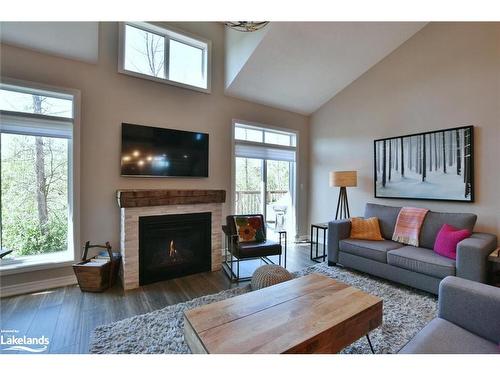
365, 229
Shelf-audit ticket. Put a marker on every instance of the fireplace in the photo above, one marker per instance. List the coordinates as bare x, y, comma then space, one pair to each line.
174, 245
137, 204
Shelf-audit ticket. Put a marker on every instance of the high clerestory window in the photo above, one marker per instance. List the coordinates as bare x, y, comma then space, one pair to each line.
164, 55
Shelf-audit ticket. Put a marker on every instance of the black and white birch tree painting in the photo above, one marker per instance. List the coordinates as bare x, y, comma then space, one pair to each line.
434, 165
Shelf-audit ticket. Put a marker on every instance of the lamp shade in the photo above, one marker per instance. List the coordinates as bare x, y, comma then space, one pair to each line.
343, 178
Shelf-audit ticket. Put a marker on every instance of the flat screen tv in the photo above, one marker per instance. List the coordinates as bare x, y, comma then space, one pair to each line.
158, 152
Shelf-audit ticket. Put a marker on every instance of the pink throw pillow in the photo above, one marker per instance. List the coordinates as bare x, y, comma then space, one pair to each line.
447, 240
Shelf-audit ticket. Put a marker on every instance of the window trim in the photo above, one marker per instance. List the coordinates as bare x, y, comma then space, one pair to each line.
265, 129
297, 198
168, 33
46, 261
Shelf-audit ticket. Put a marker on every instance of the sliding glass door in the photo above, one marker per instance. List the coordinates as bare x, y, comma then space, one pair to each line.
249, 183
279, 191
264, 175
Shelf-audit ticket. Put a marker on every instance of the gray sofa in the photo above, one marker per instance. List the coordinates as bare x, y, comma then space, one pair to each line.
467, 323
419, 267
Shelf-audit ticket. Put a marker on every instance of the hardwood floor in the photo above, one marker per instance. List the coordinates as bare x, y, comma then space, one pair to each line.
68, 317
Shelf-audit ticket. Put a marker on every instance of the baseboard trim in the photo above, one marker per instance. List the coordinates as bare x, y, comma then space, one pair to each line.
37, 286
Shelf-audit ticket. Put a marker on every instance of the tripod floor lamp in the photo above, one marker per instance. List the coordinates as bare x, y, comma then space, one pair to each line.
343, 179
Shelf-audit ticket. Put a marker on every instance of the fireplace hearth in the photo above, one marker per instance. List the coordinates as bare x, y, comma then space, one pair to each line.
174, 245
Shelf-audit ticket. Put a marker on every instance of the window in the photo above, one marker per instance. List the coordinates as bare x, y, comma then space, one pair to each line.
264, 174
164, 55
144, 52
248, 134
251, 133
36, 169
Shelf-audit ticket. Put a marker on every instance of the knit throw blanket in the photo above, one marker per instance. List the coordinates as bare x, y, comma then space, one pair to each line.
408, 225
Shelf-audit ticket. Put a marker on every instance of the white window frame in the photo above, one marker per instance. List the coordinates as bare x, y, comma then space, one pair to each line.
169, 33
53, 260
264, 127
265, 130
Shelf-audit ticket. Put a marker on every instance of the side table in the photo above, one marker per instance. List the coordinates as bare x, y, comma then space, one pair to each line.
282, 236
282, 239
494, 259
315, 228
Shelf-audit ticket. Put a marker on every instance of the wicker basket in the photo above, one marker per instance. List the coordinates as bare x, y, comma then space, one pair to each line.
97, 275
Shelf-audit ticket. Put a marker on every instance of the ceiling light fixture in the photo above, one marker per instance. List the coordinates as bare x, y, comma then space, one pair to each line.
246, 26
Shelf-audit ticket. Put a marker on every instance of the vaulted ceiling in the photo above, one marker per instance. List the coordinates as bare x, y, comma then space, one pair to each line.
298, 66
73, 40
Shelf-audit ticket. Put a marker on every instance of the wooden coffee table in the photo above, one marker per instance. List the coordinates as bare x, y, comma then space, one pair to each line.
310, 314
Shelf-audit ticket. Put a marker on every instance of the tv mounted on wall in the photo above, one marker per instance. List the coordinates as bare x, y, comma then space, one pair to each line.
159, 152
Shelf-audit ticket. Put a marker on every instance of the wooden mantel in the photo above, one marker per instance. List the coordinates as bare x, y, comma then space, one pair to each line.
162, 197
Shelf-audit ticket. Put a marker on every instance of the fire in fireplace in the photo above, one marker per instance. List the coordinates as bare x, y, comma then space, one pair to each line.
172, 252
174, 245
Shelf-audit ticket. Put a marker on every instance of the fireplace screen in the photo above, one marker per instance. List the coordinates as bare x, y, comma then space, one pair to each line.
174, 245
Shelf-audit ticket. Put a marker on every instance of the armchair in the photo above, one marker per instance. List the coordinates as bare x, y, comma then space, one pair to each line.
467, 322
241, 246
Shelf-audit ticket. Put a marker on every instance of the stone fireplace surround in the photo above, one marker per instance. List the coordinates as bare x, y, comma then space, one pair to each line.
136, 203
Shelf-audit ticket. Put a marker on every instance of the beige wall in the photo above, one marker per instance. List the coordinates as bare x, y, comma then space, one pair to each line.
446, 75
110, 98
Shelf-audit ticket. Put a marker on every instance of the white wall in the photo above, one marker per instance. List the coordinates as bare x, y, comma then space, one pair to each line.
446, 75
74, 40
239, 47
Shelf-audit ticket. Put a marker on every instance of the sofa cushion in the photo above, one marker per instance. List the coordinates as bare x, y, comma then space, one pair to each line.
447, 240
387, 216
434, 221
442, 337
376, 250
422, 260
249, 228
231, 225
365, 229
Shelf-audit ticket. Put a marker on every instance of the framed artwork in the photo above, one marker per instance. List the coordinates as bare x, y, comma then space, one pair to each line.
437, 165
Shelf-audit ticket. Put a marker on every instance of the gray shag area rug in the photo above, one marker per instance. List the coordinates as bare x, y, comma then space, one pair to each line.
406, 311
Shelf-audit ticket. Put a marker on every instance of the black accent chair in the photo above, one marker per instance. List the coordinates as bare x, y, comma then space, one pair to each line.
236, 251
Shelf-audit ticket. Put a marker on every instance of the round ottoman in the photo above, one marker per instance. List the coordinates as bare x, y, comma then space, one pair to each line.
268, 275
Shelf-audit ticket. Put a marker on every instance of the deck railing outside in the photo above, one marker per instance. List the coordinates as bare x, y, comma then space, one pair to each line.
250, 202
